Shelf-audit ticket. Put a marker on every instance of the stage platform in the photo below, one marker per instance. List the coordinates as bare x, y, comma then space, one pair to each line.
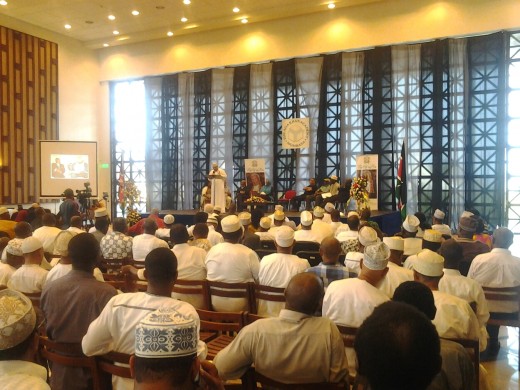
388, 221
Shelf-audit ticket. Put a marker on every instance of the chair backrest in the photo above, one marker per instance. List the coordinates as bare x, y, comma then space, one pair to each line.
250, 318
231, 290
68, 354
503, 294
261, 252
306, 246
34, 297
313, 257
288, 195
267, 293
106, 365
348, 333
267, 244
251, 377
114, 265
228, 323
197, 287
473, 347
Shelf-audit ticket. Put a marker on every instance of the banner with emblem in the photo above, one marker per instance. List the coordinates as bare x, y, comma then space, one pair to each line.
367, 166
295, 133
255, 173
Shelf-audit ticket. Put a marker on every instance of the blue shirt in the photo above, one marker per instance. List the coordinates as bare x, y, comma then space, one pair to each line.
329, 273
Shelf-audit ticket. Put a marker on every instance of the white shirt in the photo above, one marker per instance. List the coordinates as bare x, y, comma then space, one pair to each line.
498, 268
6, 271
353, 261
76, 230
29, 278
323, 229
163, 233
394, 277
47, 236
265, 236
214, 237
144, 244
292, 348
455, 318
338, 225
60, 270
468, 289
22, 375
231, 263
190, 262
442, 228
307, 235
114, 329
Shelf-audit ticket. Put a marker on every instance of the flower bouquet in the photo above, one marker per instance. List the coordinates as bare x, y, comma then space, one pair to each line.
358, 192
131, 197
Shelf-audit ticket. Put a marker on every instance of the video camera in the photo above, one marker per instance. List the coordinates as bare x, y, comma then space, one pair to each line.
85, 194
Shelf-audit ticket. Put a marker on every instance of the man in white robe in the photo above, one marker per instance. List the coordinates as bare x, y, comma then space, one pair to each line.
218, 178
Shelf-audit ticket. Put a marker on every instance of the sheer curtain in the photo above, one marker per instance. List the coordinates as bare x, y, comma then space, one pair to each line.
186, 129
406, 100
308, 83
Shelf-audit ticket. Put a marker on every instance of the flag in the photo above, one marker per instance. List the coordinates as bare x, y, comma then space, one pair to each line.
401, 184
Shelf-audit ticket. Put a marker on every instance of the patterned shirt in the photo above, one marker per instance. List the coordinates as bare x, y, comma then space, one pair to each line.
116, 245
329, 273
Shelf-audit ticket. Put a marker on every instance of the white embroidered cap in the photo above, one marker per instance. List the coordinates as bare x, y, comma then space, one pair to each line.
429, 263
432, 235
265, 222
376, 256
284, 236
61, 243
31, 244
411, 223
394, 243
245, 218
230, 224
412, 246
306, 218
367, 236
102, 212
439, 214
318, 212
169, 219
279, 215
329, 207
208, 208
17, 318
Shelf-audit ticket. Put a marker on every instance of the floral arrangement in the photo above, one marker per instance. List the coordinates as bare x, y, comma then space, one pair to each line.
133, 217
130, 197
256, 199
358, 190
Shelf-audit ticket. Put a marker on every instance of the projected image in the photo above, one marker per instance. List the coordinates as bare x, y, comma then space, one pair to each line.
69, 166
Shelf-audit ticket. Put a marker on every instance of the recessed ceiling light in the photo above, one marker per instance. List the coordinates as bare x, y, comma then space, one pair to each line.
244, 20
106, 45
135, 12
236, 9
331, 6
187, 2
111, 17
3, 2
115, 32
68, 26
169, 33
184, 19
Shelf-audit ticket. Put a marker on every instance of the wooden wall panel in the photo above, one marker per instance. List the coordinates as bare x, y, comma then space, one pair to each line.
28, 111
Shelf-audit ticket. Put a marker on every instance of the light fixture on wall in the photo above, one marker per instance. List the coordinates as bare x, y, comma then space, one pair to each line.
169, 33
236, 10
111, 17
135, 12
184, 19
68, 26
115, 32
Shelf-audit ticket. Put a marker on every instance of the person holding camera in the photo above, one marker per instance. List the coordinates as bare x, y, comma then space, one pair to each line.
68, 208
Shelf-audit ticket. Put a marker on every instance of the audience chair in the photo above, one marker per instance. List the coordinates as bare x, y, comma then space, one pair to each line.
348, 333
195, 292
113, 266
34, 297
473, 348
306, 246
225, 325
264, 294
286, 198
250, 318
261, 252
112, 363
268, 244
70, 355
230, 290
251, 379
313, 257
505, 294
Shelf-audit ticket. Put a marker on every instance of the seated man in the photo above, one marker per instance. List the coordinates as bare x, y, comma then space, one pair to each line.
117, 244
146, 242
292, 348
164, 232
47, 233
437, 223
19, 344
169, 361
307, 191
71, 303
470, 247
306, 233
329, 269
243, 194
398, 348
114, 329
397, 274
263, 229
30, 277
200, 237
366, 236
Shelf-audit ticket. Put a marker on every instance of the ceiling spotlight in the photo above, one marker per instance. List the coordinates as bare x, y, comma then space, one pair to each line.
115, 32
236, 10
331, 6
68, 26
244, 20
111, 17
135, 12
184, 19
187, 2
3, 2
169, 33
106, 45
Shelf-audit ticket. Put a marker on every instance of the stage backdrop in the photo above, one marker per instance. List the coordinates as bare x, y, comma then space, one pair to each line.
255, 173
367, 166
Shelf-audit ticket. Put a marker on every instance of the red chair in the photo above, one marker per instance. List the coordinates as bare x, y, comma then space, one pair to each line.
286, 198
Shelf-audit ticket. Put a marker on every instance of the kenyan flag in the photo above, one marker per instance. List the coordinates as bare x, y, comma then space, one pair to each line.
401, 184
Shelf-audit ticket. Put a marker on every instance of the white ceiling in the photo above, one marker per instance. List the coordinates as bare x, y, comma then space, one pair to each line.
90, 24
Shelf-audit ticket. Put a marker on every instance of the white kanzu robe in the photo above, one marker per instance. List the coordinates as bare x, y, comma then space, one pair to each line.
218, 191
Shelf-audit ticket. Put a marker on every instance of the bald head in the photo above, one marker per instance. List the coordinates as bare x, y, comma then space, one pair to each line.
75, 221
22, 230
330, 249
150, 226
154, 211
303, 293
502, 238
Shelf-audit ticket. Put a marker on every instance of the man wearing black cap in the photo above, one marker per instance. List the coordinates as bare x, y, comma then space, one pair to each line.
470, 247
68, 208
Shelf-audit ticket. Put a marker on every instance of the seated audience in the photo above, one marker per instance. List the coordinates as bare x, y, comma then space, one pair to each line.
398, 348
423, 225
146, 242
437, 220
366, 236
294, 347
200, 237
47, 233
116, 244
214, 236
348, 236
409, 227
71, 303
329, 270
470, 247
114, 329
498, 268
231, 262
138, 228
200, 217
396, 273
167, 361
18, 348
321, 228
6, 225
431, 240
30, 277
249, 239
164, 232
306, 233
76, 225
22, 230
101, 228
335, 221
263, 230
308, 193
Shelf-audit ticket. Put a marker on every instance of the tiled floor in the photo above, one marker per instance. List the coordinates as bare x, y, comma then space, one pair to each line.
503, 373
